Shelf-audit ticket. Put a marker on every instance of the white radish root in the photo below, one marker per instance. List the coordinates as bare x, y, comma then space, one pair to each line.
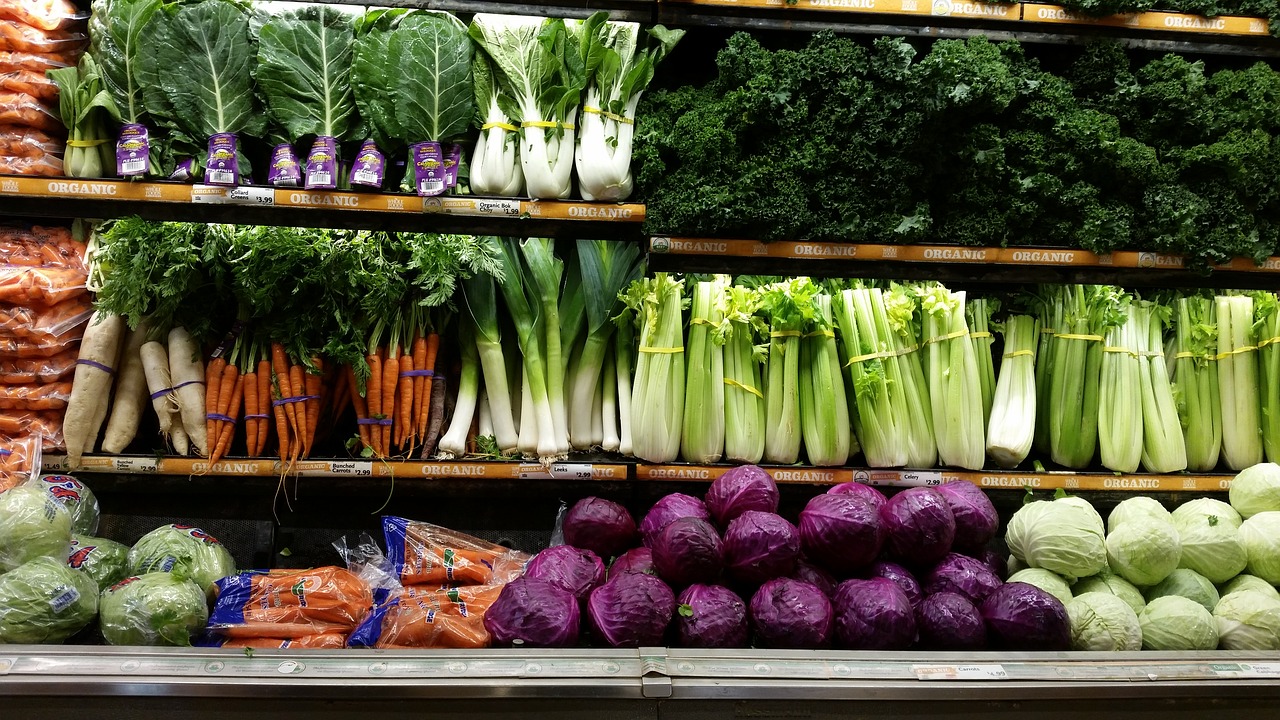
91, 388
155, 368
186, 370
131, 396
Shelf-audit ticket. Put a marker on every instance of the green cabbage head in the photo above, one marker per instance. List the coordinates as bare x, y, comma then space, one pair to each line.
1103, 622
1046, 581
1144, 550
1064, 536
1210, 546
1109, 582
1136, 508
1188, 584
158, 608
1206, 507
44, 601
1176, 623
1241, 583
1248, 620
1256, 490
1260, 536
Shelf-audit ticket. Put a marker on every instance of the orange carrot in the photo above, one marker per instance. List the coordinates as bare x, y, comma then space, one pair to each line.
390, 375
419, 386
212, 388
361, 407
251, 408
298, 383
373, 395
282, 423
227, 429
264, 402
314, 384
428, 363
404, 413
280, 365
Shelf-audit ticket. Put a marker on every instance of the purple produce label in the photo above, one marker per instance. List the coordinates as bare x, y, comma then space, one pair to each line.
184, 170
133, 150
452, 156
370, 167
222, 168
322, 164
428, 168
285, 170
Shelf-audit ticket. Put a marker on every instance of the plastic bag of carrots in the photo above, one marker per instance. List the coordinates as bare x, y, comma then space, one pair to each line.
19, 460
428, 617
290, 603
12, 348
25, 321
17, 423
53, 396
40, 246
30, 82
19, 142
22, 285
28, 371
19, 108
39, 166
325, 641
21, 37
11, 60
42, 14
426, 554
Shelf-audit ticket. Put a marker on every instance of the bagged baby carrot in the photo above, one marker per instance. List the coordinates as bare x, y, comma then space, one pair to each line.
289, 603
324, 641
427, 617
426, 554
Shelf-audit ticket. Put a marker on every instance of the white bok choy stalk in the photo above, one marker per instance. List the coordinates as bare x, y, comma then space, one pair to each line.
1163, 448
624, 352
606, 268
546, 63
1013, 409
495, 164
1196, 380
482, 303
657, 398
702, 437
609, 111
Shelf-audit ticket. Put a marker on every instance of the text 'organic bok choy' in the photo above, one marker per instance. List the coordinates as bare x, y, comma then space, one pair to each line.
824, 411
304, 73
702, 440
955, 391
657, 396
545, 64
744, 423
1013, 409
1196, 379
1238, 382
607, 124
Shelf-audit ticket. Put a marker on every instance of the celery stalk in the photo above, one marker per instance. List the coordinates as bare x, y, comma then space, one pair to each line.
1267, 331
902, 310
954, 389
743, 398
978, 313
824, 413
1013, 412
1238, 382
702, 436
1120, 417
790, 307
865, 361
1163, 448
1196, 382
657, 407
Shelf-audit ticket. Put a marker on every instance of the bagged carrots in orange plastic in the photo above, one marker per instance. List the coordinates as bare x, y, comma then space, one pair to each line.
56, 321
42, 14
19, 460
20, 37
30, 82
11, 60
19, 423
40, 246
326, 641
27, 371
19, 108
423, 617
289, 603
53, 396
22, 349
426, 554
41, 286
17, 141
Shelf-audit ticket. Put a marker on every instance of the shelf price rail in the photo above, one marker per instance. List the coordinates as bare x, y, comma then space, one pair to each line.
623, 471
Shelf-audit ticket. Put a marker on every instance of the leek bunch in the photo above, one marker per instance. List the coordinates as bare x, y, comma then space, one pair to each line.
1013, 414
1238, 382
657, 396
1163, 448
1120, 417
744, 419
954, 388
1196, 381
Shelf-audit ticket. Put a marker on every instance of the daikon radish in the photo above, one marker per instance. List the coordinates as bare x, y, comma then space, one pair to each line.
186, 370
130, 398
155, 368
181, 445
91, 389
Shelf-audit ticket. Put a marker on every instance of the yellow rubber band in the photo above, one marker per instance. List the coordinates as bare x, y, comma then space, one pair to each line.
85, 143
700, 321
1089, 338
821, 333
605, 113
1119, 350
906, 351
786, 334
1018, 353
734, 383
1184, 354
979, 334
546, 124
1238, 351
505, 126
1048, 331
663, 351
1268, 341
872, 356
948, 336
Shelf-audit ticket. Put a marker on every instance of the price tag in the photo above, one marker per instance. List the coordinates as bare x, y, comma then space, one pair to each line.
351, 468
233, 196
1248, 670
136, 465
489, 206
55, 463
959, 672
571, 471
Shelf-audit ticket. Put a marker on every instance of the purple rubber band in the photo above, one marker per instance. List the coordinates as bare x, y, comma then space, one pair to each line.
417, 373
367, 421
220, 417
98, 365
286, 401
5, 452
386, 421
257, 417
189, 382
161, 393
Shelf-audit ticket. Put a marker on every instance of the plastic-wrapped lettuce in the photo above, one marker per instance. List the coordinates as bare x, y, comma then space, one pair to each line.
1102, 621
1248, 620
78, 499
32, 525
188, 551
1108, 582
1188, 584
158, 608
1046, 581
1176, 623
44, 601
1064, 536
106, 561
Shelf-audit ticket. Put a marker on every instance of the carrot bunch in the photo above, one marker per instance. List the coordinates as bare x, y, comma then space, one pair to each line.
223, 398
393, 412
257, 400
296, 403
